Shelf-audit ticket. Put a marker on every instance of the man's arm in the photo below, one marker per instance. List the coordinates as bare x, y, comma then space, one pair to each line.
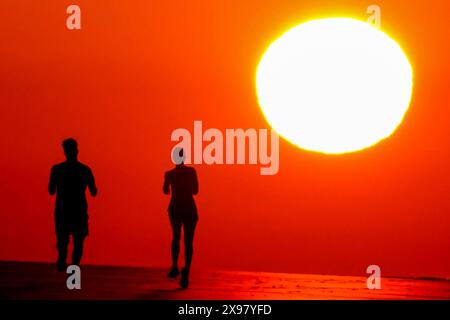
91, 184
166, 185
52, 182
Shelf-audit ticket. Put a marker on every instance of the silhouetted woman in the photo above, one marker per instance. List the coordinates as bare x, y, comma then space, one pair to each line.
182, 183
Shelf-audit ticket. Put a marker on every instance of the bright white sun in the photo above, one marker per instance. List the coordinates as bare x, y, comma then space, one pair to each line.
334, 85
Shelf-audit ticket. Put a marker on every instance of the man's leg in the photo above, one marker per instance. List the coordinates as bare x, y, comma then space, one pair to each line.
78, 240
62, 241
175, 223
79, 233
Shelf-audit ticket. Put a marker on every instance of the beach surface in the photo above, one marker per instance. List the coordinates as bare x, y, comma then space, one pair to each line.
32, 280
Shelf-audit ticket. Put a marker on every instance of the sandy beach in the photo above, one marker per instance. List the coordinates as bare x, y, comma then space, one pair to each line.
30, 280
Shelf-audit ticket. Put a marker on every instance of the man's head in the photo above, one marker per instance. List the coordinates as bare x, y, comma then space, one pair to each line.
70, 147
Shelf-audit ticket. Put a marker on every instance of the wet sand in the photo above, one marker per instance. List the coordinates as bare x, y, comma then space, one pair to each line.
30, 280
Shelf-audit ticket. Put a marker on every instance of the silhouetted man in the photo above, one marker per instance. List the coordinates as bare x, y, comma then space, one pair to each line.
183, 184
69, 180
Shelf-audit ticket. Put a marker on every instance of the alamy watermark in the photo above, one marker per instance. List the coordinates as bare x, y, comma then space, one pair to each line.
374, 12
374, 280
74, 279
73, 21
227, 148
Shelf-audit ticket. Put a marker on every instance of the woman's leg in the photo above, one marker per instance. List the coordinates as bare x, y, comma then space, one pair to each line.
189, 231
175, 223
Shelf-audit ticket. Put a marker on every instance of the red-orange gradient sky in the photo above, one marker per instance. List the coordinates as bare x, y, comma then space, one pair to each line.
138, 70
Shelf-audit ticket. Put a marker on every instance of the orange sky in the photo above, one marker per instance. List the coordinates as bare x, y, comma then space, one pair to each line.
136, 71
